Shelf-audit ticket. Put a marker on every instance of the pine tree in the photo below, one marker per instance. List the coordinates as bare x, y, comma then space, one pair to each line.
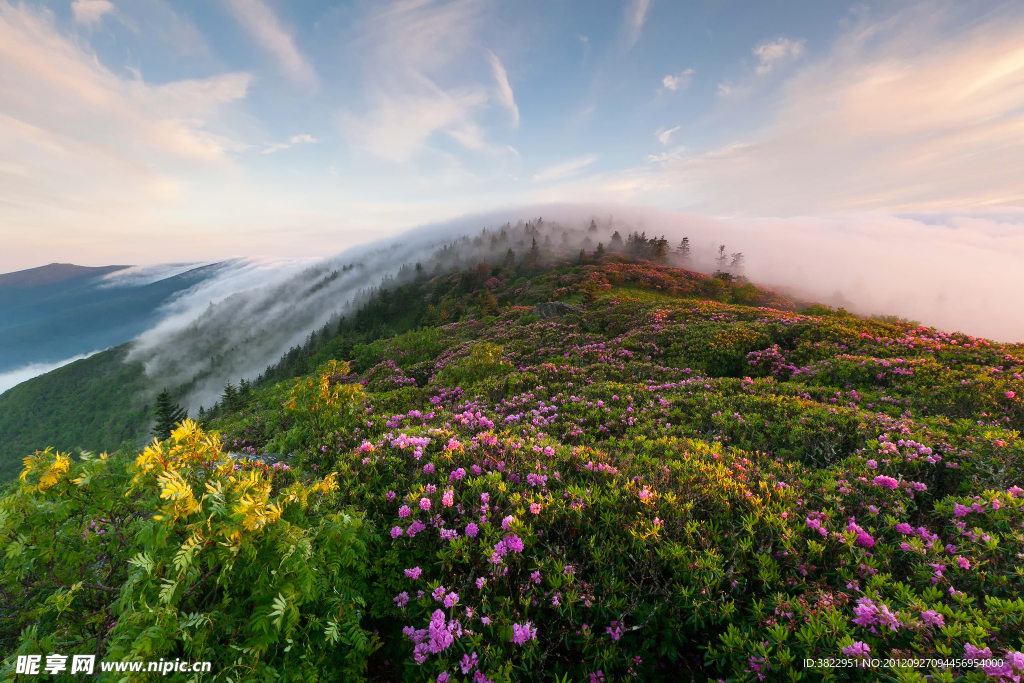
593, 226
660, 249
616, 243
600, 250
510, 258
684, 248
582, 258
229, 399
722, 259
736, 266
168, 415
533, 256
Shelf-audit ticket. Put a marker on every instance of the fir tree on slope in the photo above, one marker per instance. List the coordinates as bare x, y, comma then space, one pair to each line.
168, 415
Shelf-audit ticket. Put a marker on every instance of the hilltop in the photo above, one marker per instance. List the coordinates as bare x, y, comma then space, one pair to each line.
674, 477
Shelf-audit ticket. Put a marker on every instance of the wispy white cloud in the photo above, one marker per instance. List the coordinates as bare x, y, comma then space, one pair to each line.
665, 136
505, 95
90, 150
678, 81
636, 15
770, 53
564, 170
909, 114
90, 11
270, 34
409, 48
292, 141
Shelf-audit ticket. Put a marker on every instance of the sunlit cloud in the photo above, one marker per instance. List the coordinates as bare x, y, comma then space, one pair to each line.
90, 11
564, 169
505, 96
773, 52
665, 136
267, 31
679, 81
294, 140
636, 15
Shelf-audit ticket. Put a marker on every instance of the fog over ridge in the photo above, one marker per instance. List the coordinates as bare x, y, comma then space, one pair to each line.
952, 272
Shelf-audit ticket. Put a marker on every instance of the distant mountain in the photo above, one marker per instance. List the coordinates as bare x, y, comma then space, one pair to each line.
55, 312
54, 273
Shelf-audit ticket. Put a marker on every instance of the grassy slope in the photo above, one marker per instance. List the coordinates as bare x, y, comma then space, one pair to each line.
659, 384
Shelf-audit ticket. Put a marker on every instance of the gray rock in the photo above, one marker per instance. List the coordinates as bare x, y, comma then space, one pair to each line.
554, 309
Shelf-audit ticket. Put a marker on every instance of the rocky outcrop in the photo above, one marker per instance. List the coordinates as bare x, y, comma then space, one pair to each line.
554, 309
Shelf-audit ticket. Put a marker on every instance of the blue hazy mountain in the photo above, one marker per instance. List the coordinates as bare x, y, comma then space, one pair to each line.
59, 311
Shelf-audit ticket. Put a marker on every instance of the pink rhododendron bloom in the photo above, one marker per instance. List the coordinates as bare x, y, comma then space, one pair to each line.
390, 496
480, 583
886, 482
963, 562
443, 677
507, 522
858, 650
451, 599
472, 530
972, 652
413, 573
521, 633
535, 508
933, 618
1010, 394
402, 599
424, 503
514, 543
404, 511
448, 499
961, 510
904, 528
396, 531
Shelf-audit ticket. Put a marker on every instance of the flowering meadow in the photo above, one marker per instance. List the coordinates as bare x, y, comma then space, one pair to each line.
686, 480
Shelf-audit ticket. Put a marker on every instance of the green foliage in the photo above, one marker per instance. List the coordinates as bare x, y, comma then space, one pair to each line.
183, 553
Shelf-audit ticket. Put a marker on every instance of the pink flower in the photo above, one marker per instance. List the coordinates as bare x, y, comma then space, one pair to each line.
872, 464
480, 583
390, 496
886, 482
451, 599
443, 677
904, 528
961, 510
507, 522
413, 573
472, 530
615, 631
535, 508
521, 633
457, 474
933, 618
396, 531
514, 543
972, 652
858, 650
404, 511
424, 503
963, 562
428, 468
1010, 394
402, 599
448, 499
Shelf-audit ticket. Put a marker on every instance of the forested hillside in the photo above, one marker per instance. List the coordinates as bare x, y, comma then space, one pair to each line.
671, 477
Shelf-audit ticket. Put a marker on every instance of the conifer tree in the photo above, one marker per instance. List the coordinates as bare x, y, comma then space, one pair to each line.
582, 258
599, 252
593, 226
229, 399
168, 415
616, 242
510, 258
684, 248
722, 259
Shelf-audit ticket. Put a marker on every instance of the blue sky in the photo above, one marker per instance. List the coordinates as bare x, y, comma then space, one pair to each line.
144, 131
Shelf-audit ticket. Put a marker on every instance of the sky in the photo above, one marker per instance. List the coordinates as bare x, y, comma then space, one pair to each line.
148, 131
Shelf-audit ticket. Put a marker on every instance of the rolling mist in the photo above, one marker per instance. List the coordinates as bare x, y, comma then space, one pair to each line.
954, 273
